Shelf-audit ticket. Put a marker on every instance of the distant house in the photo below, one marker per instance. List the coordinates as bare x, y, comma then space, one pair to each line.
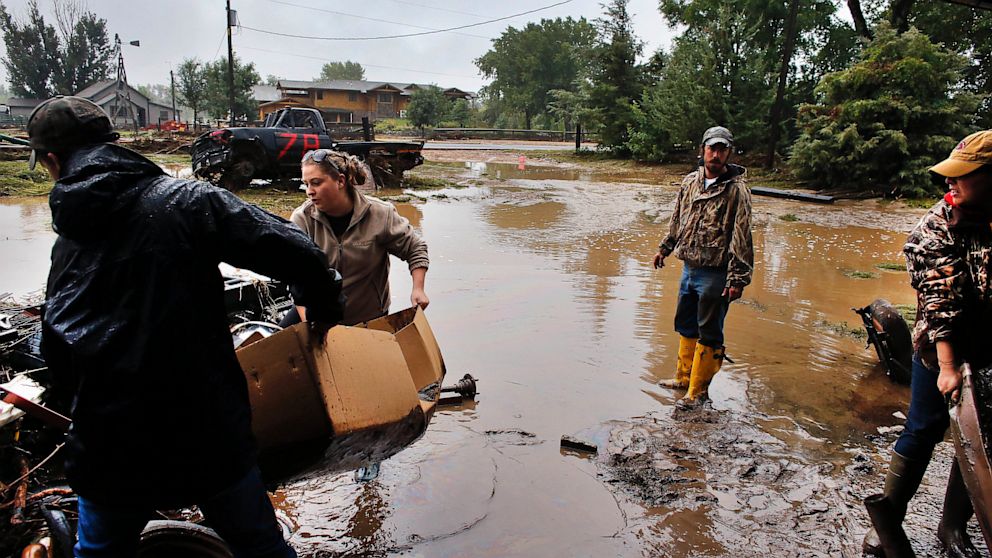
143, 109
20, 107
344, 100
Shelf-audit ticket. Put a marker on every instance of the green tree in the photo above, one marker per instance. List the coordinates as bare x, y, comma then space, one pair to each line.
615, 80
32, 49
341, 70
216, 101
525, 64
460, 112
42, 62
191, 85
87, 55
427, 107
882, 122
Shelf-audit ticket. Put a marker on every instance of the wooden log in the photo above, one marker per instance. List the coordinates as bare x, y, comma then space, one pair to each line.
791, 195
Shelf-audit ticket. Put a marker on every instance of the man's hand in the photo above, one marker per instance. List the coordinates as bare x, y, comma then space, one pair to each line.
732, 293
419, 298
659, 260
949, 381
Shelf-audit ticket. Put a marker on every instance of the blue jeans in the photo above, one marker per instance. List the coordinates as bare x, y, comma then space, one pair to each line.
242, 515
927, 419
702, 307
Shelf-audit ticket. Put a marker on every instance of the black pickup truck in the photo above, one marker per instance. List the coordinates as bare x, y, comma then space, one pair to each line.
232, 157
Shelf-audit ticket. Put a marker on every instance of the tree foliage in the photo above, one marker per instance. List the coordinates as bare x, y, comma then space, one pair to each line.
428, 106
41, 61
216, 101
614, 79
525, 64
191, 85
460, 112
341, 70
881, 123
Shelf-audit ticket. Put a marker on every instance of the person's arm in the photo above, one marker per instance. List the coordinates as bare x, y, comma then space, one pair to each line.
246, 236
417, 296
741, 263
938, 272
403, 242
668, 244
949, 379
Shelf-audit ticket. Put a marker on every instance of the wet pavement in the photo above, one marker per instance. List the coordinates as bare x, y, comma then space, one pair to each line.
541, 287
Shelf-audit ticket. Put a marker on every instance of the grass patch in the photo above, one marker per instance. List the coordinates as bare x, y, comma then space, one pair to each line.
843, 329
921, 203
857, 274
171, 159
908, 313
416, 182
789, 217
891, 266
275, 201
17, 180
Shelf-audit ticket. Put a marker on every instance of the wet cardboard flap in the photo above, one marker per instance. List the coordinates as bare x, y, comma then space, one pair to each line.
417, 341
363, 378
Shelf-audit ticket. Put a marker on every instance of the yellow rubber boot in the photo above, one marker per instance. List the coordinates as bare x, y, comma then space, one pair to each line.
683, 367
705, 364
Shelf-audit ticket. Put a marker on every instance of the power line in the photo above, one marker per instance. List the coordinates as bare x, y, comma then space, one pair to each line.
370, 18
406, 35
324, 59
439, 9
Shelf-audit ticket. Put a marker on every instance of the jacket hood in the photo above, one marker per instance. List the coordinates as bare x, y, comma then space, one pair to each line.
97, 182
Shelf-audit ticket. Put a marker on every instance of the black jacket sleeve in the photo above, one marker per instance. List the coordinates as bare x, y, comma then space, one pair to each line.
248, 237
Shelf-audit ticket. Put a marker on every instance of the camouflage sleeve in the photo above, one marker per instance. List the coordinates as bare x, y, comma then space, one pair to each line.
741, 263
938, 272
671, 239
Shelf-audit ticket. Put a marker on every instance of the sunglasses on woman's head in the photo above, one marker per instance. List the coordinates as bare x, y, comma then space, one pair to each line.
319, 156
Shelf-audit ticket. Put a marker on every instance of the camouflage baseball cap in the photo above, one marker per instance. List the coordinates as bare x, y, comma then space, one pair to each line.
718, 134
971, 154
61, 124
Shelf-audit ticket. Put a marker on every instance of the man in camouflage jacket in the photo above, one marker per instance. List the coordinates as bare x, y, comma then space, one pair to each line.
710, 232
948, 258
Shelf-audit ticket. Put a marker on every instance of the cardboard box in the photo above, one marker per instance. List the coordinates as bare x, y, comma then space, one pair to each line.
366, 393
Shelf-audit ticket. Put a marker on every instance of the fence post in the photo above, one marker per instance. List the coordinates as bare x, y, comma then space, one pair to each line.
366, 129
578, 137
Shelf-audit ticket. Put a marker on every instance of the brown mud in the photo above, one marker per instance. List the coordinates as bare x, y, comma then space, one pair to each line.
542, 288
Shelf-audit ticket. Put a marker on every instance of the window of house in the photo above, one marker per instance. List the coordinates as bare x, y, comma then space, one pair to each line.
386, 98
320, 94
163, 115
352, 96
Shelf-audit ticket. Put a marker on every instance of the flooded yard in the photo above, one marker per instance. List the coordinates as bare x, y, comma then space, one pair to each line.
541, 286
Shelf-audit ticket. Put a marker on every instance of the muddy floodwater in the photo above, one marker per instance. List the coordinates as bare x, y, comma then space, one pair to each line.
541, 287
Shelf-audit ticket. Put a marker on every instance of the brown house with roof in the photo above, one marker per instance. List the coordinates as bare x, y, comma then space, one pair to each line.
344, 100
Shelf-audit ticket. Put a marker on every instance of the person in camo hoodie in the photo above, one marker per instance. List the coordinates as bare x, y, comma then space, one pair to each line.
948, 258
710, 232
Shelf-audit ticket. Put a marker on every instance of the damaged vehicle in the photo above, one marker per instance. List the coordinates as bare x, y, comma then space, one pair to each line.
233, 157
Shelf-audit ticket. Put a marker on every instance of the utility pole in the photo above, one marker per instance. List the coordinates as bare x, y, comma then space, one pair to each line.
172, 80
232, 17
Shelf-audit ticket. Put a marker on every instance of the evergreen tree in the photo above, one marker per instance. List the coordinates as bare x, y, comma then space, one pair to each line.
882, 122
615, 81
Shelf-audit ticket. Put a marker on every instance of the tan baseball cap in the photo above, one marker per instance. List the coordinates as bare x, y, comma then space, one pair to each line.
971, 154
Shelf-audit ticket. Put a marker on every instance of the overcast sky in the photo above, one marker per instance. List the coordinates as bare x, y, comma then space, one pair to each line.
171, 30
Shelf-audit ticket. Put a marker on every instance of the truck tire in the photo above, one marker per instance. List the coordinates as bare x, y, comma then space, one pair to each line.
896, 350
238, 175
171, 539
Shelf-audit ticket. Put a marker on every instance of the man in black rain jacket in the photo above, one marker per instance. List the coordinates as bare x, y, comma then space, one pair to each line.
135, 328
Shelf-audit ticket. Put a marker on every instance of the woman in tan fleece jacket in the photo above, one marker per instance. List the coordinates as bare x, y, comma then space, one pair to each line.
358, 234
